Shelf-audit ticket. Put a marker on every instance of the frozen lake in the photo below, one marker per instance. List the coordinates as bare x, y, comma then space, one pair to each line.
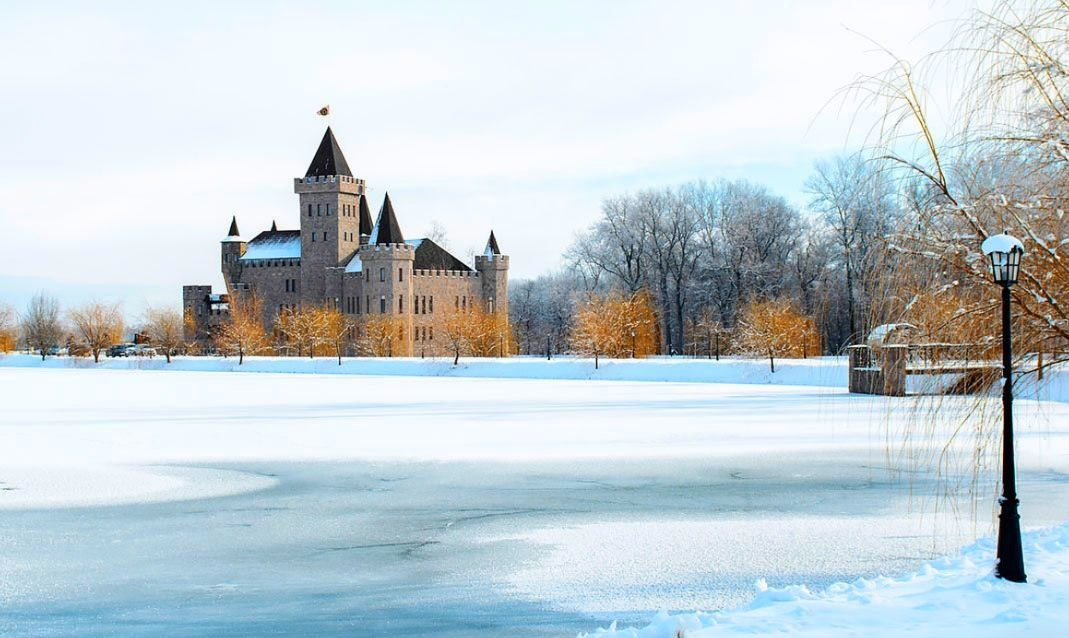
203, 503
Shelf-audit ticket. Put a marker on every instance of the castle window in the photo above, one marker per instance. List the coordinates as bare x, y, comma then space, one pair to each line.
432, 333
367, 303
324, 235
424, 304
319, 210
328, 210
400, 304
382, 274
382, 305
400, 274
309, 210
358, 305
313, 236
458, 302
432, 304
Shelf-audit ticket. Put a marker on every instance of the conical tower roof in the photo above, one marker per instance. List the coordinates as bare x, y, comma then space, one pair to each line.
387, 230
328, 159
366, 225
233, 234
491, 246
274, 226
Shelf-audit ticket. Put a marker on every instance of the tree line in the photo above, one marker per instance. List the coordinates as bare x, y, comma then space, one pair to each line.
706, 252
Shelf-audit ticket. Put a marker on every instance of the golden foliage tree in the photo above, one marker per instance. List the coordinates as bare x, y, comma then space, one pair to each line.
459, 333
243, 334
384, 336
166, 330
333, 329
775, 328
615, 325
97, 326
8, 329
489, 334
298, 330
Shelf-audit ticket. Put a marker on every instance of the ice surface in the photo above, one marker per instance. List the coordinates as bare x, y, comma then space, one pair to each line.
401, 505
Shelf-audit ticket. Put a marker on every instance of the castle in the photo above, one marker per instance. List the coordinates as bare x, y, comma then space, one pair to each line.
340, 258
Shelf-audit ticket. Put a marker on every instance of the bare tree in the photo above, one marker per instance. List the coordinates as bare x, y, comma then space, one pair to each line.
41, 326
438, 234
97, 326
166, 330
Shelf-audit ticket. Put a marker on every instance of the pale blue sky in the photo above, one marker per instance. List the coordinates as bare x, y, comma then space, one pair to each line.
131, 132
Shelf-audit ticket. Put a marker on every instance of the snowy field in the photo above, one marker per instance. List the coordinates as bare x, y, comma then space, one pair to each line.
200, 503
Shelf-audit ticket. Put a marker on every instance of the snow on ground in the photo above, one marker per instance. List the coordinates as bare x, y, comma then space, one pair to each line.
956, 596
817, 371
77, 435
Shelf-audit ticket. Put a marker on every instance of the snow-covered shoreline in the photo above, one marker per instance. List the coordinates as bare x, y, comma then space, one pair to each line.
952, 596
817, 371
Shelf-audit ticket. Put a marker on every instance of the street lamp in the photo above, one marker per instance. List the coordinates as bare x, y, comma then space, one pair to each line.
632, 343
1005, 253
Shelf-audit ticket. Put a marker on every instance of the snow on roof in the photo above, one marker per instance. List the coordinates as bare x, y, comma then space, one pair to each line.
414, 242
879, 334
232, 238
280, 244
1001, 244
355, 264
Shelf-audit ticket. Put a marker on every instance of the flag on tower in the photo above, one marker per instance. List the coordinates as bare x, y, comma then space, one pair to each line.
325, 111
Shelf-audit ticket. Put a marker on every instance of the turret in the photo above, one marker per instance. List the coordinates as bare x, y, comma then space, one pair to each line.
387, 262
366, 225
330, 217
232, 248
493, 269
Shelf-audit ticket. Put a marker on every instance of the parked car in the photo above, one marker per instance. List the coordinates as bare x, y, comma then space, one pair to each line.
120, 350
141, 350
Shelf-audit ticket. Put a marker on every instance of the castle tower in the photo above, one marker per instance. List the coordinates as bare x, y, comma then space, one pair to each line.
330, 217
493, 269
232, 248
387, 262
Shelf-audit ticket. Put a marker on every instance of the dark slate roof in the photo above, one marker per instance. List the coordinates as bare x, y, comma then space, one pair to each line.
431, 256
366, 225
387, 230
328, 159
276, 235
491, 245
233, 227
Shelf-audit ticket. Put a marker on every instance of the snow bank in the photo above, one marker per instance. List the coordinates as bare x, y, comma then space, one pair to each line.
823, 371
949, 597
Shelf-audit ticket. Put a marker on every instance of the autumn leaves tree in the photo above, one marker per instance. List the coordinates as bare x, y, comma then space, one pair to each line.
775, 328
8, 328
615, 325
244, 333
334, 329
384, 336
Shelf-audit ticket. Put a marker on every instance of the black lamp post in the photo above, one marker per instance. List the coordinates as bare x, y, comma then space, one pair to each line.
1005, 253
632, 343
